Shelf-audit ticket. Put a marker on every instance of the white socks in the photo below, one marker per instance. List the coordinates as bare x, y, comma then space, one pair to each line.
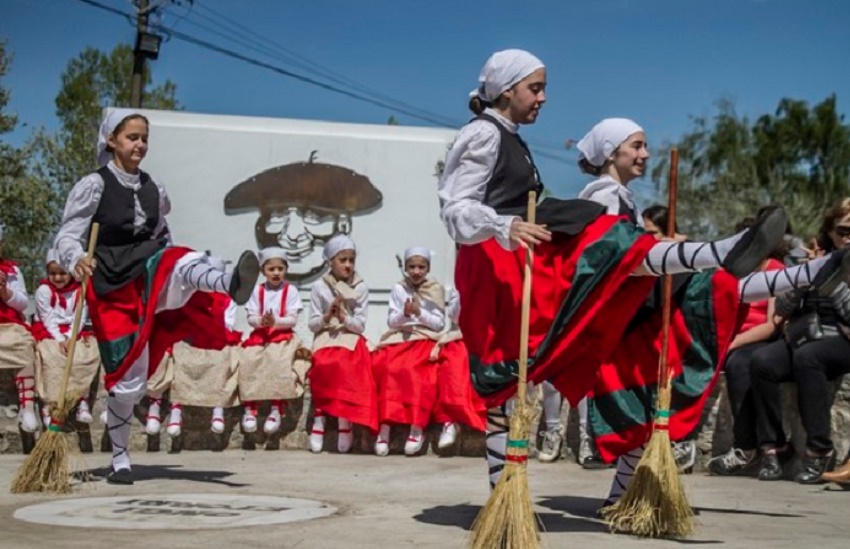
346, 437
153, 421
249, 418
26, 395
763, 285
382, 443
83, 412
552, 402
217, 424
273, 421
202, 276
497, 443
175, 421
317, 434
119, 418
687, 257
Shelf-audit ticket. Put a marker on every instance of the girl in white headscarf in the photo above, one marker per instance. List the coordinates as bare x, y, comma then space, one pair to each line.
341, 379
404, 372
55, 302
16, 342
136, 272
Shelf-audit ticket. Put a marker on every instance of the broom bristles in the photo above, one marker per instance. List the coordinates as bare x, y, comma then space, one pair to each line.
507, 520
655, 504
48, 467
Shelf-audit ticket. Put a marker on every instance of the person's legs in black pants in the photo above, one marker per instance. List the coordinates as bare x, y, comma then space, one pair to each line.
815, 364
770, 366
741, 458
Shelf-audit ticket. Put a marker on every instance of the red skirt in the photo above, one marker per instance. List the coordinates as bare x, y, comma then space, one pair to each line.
342, 385
406, 380
583, 296
457, 401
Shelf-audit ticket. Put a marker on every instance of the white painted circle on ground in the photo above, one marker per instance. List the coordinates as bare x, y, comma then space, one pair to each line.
174, 511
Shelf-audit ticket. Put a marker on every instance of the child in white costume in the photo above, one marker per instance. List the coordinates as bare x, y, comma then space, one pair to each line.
271, 367
56, 299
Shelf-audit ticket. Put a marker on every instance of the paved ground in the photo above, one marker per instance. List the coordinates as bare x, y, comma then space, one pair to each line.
424, 502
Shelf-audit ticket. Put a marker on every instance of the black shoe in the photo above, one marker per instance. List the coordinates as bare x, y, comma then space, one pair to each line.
814, 467
244, 277
121, 476
594, 463
836, 270
772, 465
757, 243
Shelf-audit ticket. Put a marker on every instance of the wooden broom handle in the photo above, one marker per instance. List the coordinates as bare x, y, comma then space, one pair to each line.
78, 317
667, 295
526, 303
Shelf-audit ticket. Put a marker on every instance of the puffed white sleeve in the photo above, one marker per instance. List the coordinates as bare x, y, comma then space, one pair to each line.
80, 207
469, 167
434, 320
356, 321
252, 308
452, 305
395, 316
316, 320
230, 315
18, 288
46, 313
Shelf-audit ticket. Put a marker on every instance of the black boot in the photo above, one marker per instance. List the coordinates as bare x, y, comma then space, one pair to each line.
814, 467
121, 476
757, 243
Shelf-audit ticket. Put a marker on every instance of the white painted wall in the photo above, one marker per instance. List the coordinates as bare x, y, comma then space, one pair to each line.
199, 158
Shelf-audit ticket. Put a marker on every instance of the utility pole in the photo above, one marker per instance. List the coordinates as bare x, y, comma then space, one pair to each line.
139, 56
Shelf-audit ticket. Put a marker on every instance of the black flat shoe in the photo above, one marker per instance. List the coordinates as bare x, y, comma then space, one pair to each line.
121, 476
244, 277
772, 465
757, 243
814, 467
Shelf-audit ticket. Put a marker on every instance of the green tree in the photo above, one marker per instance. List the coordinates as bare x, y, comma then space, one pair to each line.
798, 157
29, 200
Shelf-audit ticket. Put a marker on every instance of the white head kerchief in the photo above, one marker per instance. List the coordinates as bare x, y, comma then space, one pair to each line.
108, 126
421, 251
52, 255
604, 138
272, 253
339, 243
502, 71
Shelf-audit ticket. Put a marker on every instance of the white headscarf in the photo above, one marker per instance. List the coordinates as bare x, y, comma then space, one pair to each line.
272, 253
339, 243
502, 71
52, 255
421, 251
113, 118
604, 138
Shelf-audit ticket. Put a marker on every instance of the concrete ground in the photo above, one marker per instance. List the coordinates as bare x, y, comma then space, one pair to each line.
424, 502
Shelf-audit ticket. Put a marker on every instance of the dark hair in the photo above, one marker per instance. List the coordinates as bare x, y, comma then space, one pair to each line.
477, 105
830, 217
123, 123
588, 168
658, 215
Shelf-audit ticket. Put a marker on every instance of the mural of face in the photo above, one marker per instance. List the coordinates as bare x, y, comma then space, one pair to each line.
302, 205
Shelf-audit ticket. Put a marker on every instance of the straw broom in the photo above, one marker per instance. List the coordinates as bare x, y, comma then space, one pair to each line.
507, 521
47, 468
655, 504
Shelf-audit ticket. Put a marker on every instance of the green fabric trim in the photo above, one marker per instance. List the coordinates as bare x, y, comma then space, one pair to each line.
517, 443
112, 353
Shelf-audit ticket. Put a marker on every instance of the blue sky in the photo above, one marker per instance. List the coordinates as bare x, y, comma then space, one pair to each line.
656, 61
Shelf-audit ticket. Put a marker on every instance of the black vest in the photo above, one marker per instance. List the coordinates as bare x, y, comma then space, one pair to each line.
514, 175
122, 251
630, 213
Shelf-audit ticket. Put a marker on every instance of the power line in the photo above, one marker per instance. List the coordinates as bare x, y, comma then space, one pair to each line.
429, 117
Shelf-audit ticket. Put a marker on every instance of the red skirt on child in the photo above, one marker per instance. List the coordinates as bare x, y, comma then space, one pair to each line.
406, 380
342, 385
457, 401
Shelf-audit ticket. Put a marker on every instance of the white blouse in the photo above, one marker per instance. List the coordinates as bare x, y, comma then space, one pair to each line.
470, 163
271, 302
15, 283
452, 306
608, 191
54, 315
82, 203
321, 299
429, 315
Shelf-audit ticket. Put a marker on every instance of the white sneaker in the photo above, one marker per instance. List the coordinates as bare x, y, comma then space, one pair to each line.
29, 421
217, 425
272, 424
585, 452
414, 441
175, 423
552, 441
685, 452
382, 444
448, 436
345, 438
83, 412
153, 422
249, 423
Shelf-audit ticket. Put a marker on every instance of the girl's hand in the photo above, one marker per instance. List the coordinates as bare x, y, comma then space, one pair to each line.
529, 234
268, 320
63, 347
